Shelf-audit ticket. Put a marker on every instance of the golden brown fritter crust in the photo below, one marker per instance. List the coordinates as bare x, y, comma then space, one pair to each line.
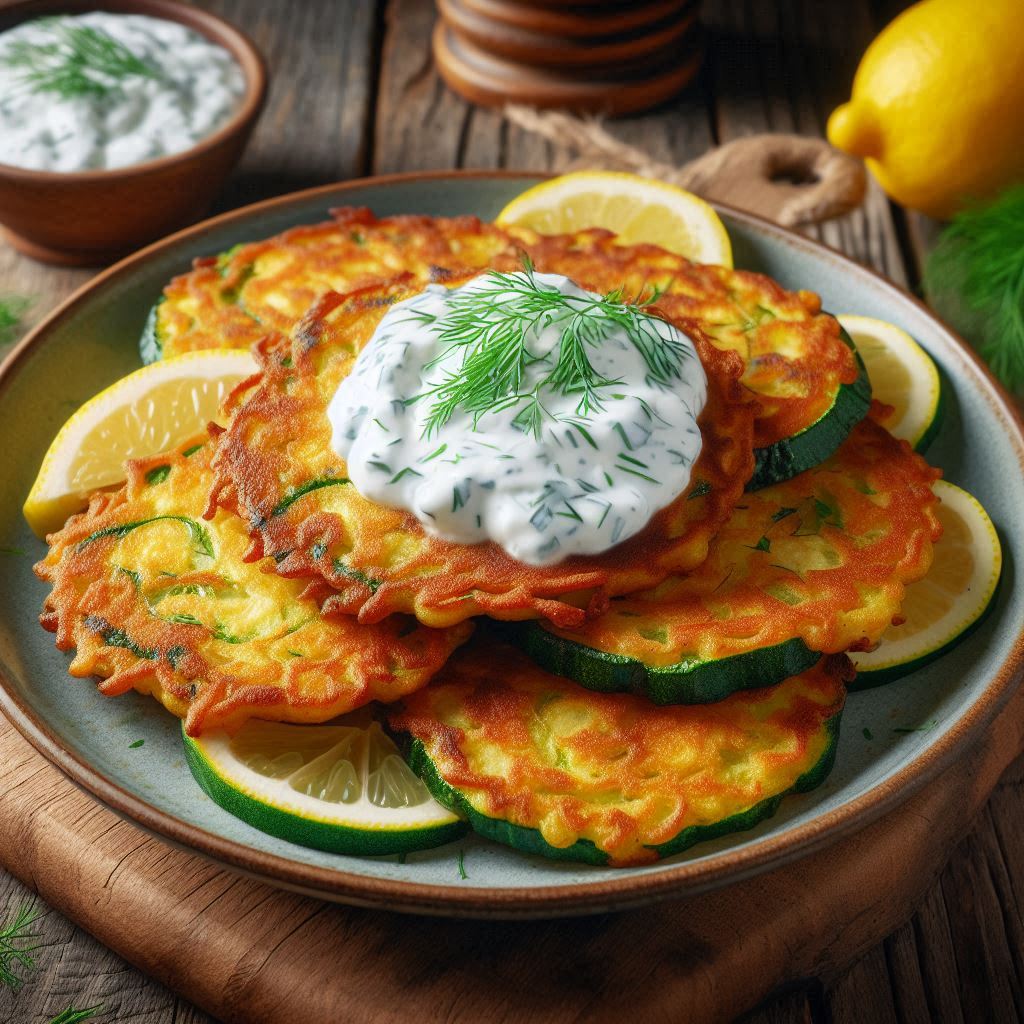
794, 360
824, 557
268, 285
275, 466
153, 598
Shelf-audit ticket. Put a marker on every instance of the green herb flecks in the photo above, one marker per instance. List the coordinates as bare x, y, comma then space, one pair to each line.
904, 730
868, 734
79, 60
13, 551
136, 744
356, 574
293, 494
114, 637
462, 865
17, 944
73, 1016
817, 512
493, 326
12, 309
197, 532
658, 635
158, 474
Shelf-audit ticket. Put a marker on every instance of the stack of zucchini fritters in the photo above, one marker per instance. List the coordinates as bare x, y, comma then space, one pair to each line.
613, 708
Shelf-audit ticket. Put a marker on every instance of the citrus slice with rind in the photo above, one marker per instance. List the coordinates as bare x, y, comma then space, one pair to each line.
339, 788
902, 375
636, 209
941, 609
151, 410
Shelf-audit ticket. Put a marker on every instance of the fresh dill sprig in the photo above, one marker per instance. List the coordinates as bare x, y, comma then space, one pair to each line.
12, 309
73, 1016
80, 61
493, 326
974, 279
17, 944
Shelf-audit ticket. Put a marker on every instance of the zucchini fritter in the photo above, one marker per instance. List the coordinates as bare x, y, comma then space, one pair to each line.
538, 763
158, 600
817, 564
276, 468
795, 361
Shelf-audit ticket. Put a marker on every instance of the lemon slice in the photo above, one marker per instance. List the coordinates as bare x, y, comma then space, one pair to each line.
636, 209
941, 609
149, 411
902, 375
340, 788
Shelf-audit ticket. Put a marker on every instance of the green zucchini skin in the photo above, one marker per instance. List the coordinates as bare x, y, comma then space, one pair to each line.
936, 424
529, 840
814, 444
151, 347
520, 837
687, 682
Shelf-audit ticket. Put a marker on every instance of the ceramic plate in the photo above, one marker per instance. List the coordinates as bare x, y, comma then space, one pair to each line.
893, 739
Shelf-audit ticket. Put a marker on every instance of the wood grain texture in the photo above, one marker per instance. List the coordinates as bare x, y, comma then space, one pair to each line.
354, 91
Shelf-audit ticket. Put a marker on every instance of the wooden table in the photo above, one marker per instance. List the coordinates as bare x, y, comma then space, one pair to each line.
353, 93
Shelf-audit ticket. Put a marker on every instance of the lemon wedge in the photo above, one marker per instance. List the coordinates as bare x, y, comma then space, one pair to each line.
902, 375
941, 610
147, 412
636, 209
341, 788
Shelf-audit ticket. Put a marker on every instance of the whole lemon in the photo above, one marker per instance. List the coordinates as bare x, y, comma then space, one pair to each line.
937, 110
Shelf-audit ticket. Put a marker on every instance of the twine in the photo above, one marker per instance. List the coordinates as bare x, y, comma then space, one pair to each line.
791, 179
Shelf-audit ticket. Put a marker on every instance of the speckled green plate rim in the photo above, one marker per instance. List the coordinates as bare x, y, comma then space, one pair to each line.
684, 879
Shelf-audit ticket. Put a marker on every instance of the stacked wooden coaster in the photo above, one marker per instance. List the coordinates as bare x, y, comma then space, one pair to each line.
602, 56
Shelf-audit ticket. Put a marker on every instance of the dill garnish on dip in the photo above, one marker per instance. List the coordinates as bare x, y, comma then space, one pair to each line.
99, 91
522, 409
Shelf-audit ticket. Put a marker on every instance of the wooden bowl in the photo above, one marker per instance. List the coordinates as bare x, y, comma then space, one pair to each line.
89, 218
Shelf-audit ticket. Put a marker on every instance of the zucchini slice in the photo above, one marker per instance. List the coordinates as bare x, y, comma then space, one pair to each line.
692, 681
817, 564
540, 764
793, 455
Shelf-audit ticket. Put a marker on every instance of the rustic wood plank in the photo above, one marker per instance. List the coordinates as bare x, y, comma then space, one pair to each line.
73, 969
43, 286
318, 119
909, 994
783, 67
988, 983
933, 942
864, 993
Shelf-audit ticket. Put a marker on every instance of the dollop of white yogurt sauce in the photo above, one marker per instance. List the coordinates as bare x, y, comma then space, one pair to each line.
573, 481
191, 90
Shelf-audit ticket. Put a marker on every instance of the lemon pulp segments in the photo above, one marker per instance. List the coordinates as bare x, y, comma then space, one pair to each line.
340, 788
941, 609
636, 209
902, 375
151, 410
